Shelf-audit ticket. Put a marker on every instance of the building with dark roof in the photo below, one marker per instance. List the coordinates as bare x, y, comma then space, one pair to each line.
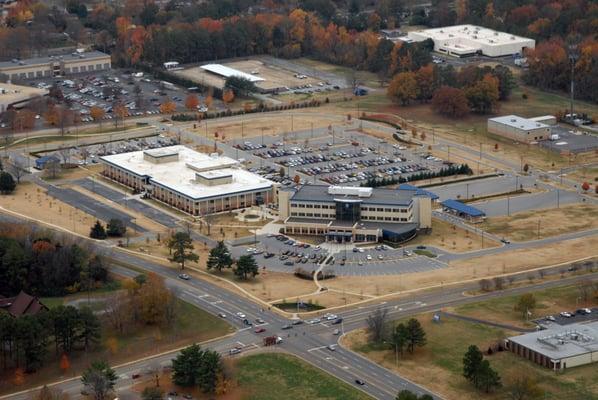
52, 66
419, 191
354, 214
22, 304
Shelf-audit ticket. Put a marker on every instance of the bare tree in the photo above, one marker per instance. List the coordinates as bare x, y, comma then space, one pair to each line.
499, 283
377, 324
65, 154
84, 152
585, 288
485, 285
17, 168
154, 370
116, 311
52, 168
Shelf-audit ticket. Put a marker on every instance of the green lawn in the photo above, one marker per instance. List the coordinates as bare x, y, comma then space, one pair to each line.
52, 302
281, 376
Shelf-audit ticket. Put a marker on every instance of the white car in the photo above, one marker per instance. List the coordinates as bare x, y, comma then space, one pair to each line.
314, 321
184, 277
331, 317
369, 257
250, 249
566, 314
241, 315
380, 257
222, 315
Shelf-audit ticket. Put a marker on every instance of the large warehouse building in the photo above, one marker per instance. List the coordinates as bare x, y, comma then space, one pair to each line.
354, 214
44, 67
195, 183
518, 128
468, 40
559, 347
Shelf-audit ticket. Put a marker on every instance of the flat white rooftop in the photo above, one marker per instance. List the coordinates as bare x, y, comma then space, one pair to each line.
518, 122
180, 175
226, 72
472, 38
560, 342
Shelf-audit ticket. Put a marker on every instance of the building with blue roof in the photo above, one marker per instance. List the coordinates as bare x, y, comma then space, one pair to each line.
462, 210
41, 162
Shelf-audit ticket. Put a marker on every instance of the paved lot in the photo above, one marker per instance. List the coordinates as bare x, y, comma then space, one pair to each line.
120, 198
536, 201
394, 262
574, 319
92, 206
338, 156
571, 140
482, 187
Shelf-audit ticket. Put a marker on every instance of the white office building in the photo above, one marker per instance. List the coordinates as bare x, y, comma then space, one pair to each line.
195, 183
519, 129
468, 40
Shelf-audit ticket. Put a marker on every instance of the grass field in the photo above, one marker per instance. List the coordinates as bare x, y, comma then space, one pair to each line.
438, 365
451, 238
280, 376
550, 301
523, 226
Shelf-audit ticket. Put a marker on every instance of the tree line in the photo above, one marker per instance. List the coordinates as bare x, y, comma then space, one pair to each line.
451, 170
454, 93
25, 341
43, 266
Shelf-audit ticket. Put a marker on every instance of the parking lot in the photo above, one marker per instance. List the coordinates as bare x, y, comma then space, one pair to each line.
341, 157
569, 317
570, 140
140, 93
282, 254
83, 155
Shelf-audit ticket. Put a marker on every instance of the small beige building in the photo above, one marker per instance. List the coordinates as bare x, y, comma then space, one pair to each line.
52, 66
560, 346
519, 129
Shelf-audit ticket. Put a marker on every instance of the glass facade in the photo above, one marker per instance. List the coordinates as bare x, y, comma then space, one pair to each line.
348, 211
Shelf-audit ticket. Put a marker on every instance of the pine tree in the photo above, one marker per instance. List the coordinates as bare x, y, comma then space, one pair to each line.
246, 265
219, 257
98, 231
416, 336
472, 362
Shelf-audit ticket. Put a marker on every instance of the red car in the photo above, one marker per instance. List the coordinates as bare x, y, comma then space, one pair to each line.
260, 330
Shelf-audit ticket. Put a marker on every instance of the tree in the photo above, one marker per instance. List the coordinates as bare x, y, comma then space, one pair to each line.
219, 257
488, 378
281, 172
472, 362
100, 379
526, 304
120, 112
65, 364
403, 88
181, 246
522, 386
209, 100
377, 324
7, 183
408, 395
246, 265
47, 393
17, 168
416, 336
98, 231
228, 96
483, 95
153, 302
152, 393
97, 113
195, 367
116, 228
168, 107
450, 101
400, 338
239, 85
297, 179
89, 328
191, 102
585, 186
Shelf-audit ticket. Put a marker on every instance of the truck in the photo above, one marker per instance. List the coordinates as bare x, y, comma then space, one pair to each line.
272, 340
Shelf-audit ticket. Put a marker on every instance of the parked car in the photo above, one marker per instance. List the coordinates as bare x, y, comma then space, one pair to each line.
566, 314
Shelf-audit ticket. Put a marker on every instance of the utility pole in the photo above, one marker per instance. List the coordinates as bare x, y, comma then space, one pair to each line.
573, 56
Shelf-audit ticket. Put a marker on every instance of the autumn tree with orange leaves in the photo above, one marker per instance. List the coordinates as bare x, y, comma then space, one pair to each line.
168, 107
228, 96
191, 102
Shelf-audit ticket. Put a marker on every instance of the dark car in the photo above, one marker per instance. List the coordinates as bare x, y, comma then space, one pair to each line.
337, 321
285, 327
359, 382
290, 263
297, 322
421, 247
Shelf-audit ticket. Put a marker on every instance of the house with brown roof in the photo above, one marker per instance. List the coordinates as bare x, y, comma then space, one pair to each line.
22, 304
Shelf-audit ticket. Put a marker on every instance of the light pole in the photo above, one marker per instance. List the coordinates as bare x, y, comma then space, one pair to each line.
573, 56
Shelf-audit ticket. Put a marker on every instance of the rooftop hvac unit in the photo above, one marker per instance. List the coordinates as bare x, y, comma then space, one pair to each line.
475, 37
441, 31
512, 37
451, 35
495, 33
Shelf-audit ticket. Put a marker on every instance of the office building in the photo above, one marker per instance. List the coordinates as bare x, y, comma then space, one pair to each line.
519, 129
192, 182
354, 214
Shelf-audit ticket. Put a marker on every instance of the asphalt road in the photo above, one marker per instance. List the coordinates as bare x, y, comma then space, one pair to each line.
306, 341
